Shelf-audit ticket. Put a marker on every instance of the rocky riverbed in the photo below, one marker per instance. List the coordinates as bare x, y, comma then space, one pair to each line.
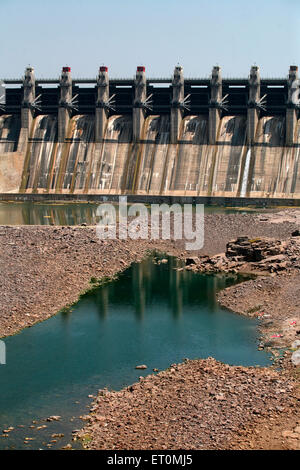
198, 404
45, 268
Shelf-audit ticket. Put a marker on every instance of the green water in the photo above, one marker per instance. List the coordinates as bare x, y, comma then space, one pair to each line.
34, 213
31, 213
153, 315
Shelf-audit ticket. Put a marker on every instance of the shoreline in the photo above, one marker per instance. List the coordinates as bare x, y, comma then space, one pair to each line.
237, 201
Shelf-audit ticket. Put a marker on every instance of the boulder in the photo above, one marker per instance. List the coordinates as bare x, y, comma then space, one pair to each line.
296, 358
296, 233
191, 260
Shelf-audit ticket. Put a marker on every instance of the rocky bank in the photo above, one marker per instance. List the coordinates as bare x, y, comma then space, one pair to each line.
199, 404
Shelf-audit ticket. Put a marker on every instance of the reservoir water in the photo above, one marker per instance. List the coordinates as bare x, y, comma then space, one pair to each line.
152, 314
34, 213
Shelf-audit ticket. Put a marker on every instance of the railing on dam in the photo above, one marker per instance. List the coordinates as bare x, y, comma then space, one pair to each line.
130, 81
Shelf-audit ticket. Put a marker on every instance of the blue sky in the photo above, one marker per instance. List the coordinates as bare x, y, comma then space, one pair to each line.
156, 33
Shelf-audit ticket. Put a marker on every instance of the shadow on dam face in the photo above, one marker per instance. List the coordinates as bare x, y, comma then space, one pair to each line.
10, 126
152, 166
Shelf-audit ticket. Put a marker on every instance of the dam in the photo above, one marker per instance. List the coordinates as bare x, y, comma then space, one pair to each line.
177, 136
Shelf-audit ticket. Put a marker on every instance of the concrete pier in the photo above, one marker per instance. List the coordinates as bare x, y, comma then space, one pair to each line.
253, 109
101, 114
176, 105
27, 110
206, 98
215, 104
292, 105
64, 110
138, 114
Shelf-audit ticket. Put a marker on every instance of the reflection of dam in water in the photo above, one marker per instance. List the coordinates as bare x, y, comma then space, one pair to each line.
231, 146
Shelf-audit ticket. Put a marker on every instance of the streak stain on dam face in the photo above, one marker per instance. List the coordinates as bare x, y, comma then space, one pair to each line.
155, 166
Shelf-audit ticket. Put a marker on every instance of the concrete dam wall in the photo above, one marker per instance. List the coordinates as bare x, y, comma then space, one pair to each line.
212, 153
